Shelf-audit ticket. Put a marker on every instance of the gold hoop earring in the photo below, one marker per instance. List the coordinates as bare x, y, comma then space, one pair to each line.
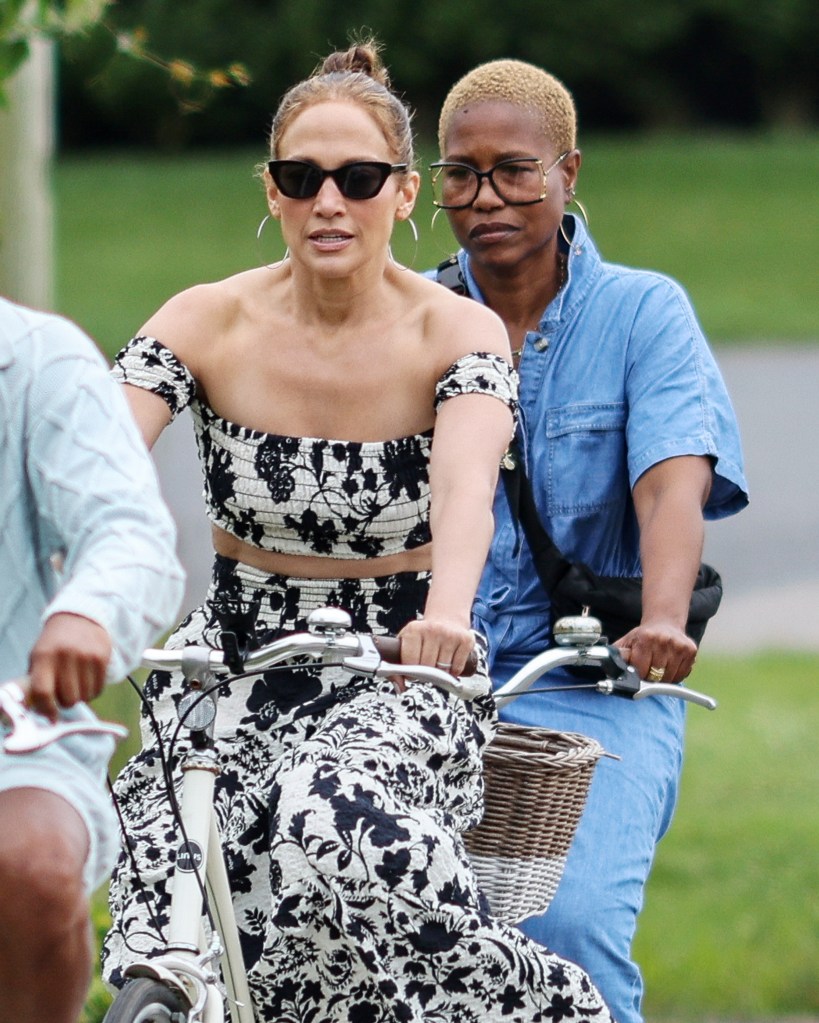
411, 264
259, 229
446, 246
573, 199
581, 207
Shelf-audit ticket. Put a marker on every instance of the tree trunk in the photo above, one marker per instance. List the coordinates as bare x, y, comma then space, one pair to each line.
26, 148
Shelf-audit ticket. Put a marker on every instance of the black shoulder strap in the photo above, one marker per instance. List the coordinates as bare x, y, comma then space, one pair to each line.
550, 564
449, 274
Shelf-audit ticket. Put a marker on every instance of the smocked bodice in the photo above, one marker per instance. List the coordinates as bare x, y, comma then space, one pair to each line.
308, 495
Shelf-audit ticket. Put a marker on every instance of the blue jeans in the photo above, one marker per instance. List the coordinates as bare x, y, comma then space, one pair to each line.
593, 917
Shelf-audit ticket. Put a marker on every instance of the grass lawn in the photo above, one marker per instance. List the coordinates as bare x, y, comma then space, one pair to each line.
732, 914
731, 925
734, 218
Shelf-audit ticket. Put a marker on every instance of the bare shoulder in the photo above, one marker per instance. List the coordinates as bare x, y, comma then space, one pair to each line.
459, 325
200, 318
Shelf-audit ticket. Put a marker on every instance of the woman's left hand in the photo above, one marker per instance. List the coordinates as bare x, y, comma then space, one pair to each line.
659, 651
441, 643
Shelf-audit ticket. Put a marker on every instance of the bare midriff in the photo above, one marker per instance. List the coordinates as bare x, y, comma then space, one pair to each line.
306, 566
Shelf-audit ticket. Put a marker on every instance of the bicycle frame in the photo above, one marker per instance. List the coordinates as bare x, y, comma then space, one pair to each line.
188, 964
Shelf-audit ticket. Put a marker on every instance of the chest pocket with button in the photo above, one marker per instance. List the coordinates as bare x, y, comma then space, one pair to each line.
586, 458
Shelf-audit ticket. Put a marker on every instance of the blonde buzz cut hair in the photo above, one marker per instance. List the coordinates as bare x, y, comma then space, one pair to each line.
525, 85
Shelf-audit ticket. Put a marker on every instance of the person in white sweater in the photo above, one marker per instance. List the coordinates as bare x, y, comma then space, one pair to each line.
90, 577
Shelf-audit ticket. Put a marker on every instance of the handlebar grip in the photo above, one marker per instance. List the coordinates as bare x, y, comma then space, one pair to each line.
390, 649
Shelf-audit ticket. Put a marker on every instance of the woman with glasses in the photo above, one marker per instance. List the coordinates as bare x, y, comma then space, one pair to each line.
350, 418
626, 436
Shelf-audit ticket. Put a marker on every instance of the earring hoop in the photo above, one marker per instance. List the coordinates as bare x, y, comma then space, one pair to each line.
411, 264
573, 200
581, 207
259, 229
444, 242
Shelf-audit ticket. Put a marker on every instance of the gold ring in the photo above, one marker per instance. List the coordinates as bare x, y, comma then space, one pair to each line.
656, 674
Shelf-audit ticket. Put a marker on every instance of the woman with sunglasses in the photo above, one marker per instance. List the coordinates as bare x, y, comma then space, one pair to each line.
350, 418
627, 437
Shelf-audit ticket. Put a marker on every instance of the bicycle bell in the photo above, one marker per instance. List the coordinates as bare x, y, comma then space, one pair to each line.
328, 621
577, 630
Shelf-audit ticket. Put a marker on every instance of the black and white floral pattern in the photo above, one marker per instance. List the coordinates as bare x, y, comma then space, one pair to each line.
342, 805
307, 495
299, 495
145, 362
479, 373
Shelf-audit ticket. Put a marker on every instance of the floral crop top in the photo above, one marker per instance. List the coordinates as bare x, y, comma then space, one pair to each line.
308, 495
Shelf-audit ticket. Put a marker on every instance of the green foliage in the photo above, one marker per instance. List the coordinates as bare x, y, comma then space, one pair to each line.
68, 16
661, 63
22, 20
12, 54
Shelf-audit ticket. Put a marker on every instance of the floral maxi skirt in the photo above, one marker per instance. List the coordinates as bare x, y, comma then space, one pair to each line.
342, 806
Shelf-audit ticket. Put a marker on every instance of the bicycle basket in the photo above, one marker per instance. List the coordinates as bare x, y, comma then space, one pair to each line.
536, 783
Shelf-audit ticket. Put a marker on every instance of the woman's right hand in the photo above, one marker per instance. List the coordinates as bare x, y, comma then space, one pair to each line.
68, 663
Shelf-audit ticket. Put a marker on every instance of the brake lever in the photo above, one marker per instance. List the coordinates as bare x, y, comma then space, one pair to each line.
465, 688
678, 691
629, 684
28, 733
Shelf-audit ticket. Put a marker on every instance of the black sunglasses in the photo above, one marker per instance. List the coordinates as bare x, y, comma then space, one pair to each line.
363, 179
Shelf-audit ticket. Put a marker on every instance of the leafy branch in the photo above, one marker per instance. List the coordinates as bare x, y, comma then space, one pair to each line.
21, 21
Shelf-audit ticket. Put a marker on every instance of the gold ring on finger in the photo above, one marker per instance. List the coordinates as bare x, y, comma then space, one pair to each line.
656, 674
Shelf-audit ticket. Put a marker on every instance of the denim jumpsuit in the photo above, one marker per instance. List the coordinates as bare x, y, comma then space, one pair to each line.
617, 377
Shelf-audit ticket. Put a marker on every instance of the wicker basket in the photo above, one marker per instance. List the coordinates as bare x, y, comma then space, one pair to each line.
536, 782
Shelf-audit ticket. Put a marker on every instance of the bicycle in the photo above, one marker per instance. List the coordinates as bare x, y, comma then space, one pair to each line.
192, 977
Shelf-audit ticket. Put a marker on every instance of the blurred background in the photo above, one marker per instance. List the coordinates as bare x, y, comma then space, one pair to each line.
129, 140
653, 65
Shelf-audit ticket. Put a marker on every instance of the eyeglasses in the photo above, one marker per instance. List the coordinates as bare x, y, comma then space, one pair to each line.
518, 182
363, 179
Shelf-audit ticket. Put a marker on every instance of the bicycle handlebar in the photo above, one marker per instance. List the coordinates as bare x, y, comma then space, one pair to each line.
328, 641
28, 731
620, 678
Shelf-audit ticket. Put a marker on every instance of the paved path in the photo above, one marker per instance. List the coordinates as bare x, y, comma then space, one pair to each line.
768, 555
